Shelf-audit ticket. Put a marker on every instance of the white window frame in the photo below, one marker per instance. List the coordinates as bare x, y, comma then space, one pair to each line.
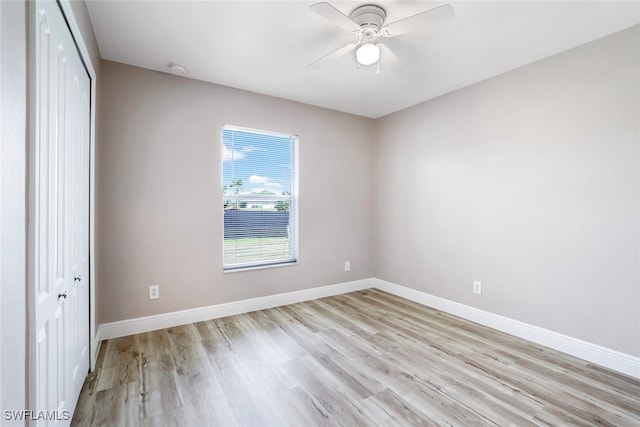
292, 199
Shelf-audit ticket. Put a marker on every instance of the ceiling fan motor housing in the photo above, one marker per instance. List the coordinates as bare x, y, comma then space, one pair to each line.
369, 16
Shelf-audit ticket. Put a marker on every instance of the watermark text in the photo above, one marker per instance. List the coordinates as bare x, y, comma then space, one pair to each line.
31, 415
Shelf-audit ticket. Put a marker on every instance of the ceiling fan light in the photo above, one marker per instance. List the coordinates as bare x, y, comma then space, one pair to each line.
367, 54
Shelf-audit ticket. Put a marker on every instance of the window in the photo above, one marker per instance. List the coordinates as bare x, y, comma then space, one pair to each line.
259, 198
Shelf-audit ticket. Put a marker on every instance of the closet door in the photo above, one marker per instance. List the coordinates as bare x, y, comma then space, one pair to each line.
59, 210
78, 96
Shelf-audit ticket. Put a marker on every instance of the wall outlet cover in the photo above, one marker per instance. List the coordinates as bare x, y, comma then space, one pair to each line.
477, 287
154, 291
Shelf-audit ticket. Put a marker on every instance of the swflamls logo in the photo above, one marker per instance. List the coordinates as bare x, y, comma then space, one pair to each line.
31, 415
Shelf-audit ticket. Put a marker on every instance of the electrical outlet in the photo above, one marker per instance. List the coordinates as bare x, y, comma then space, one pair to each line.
347, 265
477, 287
154, 291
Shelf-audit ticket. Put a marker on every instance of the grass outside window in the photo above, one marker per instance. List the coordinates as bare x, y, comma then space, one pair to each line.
243, 250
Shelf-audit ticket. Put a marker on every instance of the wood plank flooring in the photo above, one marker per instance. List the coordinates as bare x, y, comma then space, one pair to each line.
365, 358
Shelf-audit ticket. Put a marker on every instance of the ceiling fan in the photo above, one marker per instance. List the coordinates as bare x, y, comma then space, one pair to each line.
367, 25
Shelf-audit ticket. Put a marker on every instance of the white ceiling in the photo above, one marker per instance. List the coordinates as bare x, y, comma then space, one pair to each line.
264, 46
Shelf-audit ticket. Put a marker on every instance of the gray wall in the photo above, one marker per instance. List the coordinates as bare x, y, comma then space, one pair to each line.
160, 193
529, 182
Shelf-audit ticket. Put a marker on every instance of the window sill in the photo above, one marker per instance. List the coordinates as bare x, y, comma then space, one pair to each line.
259, 267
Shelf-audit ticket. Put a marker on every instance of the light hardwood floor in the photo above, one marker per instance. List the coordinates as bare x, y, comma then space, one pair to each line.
365, 358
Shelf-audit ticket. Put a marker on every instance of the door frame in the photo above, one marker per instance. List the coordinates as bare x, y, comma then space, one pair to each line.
13, 198
72, 22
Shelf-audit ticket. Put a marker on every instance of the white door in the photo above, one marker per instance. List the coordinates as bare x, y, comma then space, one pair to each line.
78, 96
59, 214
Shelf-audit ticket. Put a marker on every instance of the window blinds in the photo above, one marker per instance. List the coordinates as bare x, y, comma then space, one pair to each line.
259, 198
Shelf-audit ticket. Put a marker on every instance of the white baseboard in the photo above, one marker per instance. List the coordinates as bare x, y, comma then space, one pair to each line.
603, 356
167, 320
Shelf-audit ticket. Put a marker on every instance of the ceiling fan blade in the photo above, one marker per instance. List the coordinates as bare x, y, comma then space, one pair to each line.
390, 60
333, 55
420, 20
332, 14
